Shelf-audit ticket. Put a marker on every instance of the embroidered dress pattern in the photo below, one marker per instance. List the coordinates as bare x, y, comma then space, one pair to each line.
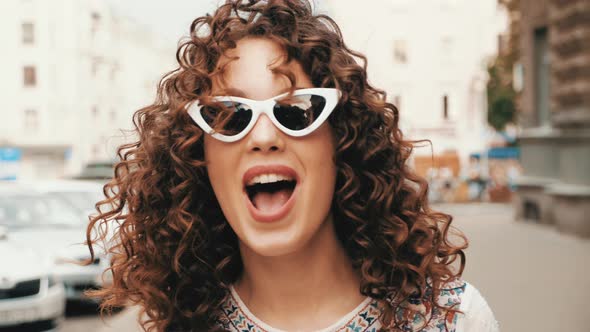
235, 318
424, 317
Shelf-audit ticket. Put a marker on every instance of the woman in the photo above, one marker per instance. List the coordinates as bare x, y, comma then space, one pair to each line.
269, 191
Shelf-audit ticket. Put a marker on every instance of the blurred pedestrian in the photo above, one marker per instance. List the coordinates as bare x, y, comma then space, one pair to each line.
475, 179
269, 191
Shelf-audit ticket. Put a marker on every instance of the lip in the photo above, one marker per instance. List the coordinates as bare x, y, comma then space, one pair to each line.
265, 169
286, 208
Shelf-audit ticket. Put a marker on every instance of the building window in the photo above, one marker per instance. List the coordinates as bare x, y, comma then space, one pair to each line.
95, 23
29, 76
28, 33
400, 51
542, 73
446, 107
31, 120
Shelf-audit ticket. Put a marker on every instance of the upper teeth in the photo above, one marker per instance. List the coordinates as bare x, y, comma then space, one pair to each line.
269, 178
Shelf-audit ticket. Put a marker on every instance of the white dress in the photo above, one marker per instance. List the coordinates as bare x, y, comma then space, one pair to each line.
478, 314
475, 316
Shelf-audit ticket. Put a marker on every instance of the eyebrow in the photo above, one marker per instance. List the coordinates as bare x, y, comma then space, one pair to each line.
239, 93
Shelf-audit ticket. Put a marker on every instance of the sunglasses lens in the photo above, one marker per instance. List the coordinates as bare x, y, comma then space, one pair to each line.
227, 117
299, 112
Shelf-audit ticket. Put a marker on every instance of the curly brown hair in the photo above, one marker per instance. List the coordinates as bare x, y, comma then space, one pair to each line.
173, 252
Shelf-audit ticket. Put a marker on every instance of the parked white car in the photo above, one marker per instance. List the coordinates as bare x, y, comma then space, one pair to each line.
54, 227
81, 195
30, 297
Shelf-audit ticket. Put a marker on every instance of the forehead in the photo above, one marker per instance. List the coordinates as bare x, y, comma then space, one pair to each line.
250, 68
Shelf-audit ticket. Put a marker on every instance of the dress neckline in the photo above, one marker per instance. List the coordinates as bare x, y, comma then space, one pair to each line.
337, 326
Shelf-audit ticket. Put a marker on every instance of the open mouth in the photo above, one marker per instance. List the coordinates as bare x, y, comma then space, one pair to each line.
270, 195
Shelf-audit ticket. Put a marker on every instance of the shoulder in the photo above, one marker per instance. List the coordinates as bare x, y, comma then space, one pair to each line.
460, 308
451, 293
421, 314
475, 313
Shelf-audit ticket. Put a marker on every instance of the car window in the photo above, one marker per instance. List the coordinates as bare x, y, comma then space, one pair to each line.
30, 211
81, 201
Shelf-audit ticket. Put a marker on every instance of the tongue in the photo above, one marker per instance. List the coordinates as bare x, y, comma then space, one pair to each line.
269, 202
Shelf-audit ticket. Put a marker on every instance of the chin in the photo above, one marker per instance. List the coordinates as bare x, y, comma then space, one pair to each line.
274, 251
274, 246
283, 242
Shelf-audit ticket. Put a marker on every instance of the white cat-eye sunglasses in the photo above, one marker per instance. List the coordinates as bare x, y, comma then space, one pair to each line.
229, 119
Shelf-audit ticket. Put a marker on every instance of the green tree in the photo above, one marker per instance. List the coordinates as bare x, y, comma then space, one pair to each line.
501, 98
502, 105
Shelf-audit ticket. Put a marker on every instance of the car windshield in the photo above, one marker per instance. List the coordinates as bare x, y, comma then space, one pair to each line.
18, 211
81, 201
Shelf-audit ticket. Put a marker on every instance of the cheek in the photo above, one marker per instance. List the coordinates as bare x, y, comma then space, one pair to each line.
210, 159
216, 162
325, 148
324, 166
209, 145
321, 162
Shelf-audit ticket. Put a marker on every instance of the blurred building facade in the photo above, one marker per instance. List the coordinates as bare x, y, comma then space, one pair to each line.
555, 114
73, 73
431, 58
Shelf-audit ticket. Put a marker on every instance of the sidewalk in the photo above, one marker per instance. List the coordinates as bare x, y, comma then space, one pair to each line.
533, 277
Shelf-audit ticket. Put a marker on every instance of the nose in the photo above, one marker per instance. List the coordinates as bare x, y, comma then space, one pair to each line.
265, 136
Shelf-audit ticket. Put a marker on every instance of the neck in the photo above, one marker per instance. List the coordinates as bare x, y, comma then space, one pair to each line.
316, 281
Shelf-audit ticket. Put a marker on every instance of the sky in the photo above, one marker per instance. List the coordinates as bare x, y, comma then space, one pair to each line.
170, 19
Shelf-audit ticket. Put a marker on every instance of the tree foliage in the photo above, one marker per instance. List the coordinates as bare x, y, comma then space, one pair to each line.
501, 98
502, 106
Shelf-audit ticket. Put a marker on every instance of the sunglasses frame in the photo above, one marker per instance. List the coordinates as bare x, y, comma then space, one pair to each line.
331, 95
